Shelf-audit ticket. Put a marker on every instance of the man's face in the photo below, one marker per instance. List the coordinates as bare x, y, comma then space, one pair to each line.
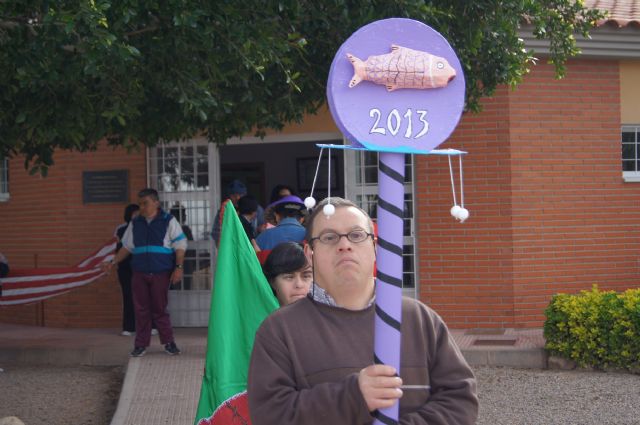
345, 266
148, 206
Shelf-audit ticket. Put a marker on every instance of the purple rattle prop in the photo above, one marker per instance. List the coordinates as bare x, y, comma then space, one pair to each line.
395, 87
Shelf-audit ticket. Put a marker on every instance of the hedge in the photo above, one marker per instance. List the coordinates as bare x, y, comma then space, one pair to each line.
599, 329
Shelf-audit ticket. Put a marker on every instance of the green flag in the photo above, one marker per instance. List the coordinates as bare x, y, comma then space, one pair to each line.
240, 300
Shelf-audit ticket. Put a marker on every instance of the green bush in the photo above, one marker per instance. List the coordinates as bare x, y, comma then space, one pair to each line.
595, 328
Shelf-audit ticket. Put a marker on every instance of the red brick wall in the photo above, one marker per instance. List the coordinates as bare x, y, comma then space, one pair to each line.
575, 220
549, 209
46, 222
465, 270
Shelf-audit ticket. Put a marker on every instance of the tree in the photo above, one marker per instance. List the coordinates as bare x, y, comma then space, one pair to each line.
73, 73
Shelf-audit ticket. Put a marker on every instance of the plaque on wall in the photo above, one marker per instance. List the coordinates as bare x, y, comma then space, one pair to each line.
102, 187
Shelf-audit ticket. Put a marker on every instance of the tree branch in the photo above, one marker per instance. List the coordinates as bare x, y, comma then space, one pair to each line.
142, 31
9, 25
153, 27
71, 48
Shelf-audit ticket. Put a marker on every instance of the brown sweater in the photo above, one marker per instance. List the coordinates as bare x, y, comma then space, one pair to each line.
306, 358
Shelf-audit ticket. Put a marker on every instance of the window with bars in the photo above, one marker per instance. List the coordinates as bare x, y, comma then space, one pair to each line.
4, 179
362, 188
179, 168
630, 153
180, 173
630, 148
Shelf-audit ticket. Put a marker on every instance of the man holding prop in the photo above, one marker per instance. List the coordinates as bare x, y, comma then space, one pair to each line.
317, 361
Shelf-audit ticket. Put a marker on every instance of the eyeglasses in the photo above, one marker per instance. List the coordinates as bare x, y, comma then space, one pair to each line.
332, 238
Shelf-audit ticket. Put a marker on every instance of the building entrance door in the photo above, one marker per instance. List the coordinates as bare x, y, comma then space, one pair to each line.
186, 178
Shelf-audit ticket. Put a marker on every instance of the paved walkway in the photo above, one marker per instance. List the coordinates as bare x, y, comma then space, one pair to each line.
162, 389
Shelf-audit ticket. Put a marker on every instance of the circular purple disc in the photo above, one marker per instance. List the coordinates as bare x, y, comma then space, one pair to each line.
405, 119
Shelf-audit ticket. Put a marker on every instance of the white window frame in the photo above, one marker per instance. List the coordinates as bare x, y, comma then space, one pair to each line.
4, 180
632, 176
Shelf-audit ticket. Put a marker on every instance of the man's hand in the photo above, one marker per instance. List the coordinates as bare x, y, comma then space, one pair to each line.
176, 276
106, 266
380, 386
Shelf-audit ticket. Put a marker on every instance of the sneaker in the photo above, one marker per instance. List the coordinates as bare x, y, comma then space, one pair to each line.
171, 349
126, 333
154, 331
138, 352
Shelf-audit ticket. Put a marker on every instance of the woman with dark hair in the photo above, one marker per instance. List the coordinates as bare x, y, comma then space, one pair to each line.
4, 266
288, 272
279, 191
125, 273
180, 213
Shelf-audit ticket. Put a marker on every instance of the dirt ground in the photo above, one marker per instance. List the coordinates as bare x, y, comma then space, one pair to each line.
53, 395
89, 396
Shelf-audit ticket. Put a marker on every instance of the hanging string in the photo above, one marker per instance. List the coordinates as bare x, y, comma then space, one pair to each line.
453, 186
317, 168
461, 184
310, 201
329, 178
460, 213
363, 204
329, 209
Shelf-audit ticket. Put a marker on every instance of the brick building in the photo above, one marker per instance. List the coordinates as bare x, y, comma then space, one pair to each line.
551, 185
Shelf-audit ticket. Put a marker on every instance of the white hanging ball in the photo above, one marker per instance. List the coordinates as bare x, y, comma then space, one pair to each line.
455, 211
309, 202
463, 214
329, 210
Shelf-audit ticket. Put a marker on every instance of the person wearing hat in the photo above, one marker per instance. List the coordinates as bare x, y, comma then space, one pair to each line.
288, 211
235, 191
279, 191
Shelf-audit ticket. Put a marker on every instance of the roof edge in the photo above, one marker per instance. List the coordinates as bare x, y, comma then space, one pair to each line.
607, 41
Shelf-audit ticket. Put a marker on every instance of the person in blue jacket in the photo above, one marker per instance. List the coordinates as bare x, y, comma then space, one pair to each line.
125, 273
288, 211
157, 244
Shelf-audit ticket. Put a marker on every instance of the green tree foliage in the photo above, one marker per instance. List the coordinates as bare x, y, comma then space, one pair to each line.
140, 71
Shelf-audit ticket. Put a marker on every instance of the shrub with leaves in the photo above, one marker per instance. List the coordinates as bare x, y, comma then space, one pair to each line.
595, 328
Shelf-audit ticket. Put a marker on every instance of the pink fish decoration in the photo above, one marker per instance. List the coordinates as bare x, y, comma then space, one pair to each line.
403, 68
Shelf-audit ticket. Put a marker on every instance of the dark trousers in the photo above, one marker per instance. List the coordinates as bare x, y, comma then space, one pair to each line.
150, 298
128, 314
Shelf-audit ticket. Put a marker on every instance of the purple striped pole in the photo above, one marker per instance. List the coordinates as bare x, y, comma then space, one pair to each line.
393, 123
389, 270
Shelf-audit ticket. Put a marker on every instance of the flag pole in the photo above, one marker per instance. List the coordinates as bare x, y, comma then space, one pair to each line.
406, 97
389, 270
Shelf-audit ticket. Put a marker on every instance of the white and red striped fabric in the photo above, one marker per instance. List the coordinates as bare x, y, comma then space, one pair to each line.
23, 286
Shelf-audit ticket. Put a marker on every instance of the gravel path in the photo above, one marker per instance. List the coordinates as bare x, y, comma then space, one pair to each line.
88, 396
45, 395
529, 396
